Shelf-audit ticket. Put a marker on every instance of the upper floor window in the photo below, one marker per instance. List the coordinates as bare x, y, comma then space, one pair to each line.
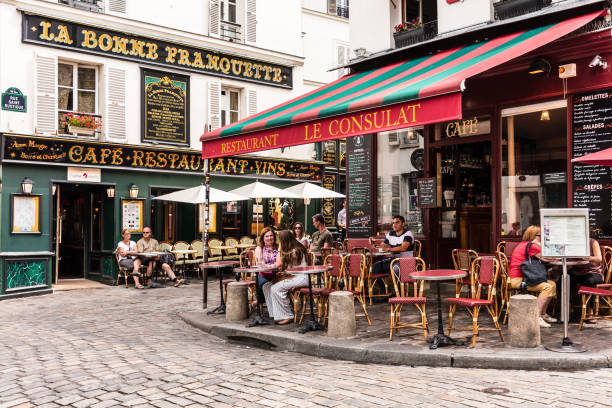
230, 106
228, 11
77, 92
338, 7
91, 5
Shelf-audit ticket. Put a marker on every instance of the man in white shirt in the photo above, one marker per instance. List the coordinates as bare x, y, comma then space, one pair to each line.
342, 221
399, 241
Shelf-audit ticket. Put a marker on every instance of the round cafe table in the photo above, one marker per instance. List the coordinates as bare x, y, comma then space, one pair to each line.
217, 266
149, 254
437, 275
313, 324
245, 246
184, 253
259, 318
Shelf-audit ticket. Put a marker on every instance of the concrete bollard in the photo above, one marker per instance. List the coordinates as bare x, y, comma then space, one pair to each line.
237, 302
341, 315
523, 324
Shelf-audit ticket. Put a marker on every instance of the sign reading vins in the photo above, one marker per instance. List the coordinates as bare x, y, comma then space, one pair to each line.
40, 150
95, 40
165, 107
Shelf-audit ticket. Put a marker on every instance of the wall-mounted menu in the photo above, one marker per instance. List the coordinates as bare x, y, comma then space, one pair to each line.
359, 184
426, 190
592, 131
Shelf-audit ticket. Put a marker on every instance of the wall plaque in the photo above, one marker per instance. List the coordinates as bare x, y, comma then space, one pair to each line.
165, 107
328, 207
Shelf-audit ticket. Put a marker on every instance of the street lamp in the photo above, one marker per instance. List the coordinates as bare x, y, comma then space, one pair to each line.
26, 186
53, 189
110, 192
133, 191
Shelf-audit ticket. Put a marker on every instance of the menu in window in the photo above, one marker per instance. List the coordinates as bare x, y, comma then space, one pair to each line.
360, 220
592, 132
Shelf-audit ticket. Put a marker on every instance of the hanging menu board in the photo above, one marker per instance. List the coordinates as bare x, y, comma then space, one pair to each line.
426, 190
359, 175
592, 131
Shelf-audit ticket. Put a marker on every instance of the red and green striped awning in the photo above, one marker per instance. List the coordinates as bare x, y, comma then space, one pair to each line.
411, 93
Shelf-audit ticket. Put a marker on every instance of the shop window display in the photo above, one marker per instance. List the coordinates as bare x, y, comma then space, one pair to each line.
534, 164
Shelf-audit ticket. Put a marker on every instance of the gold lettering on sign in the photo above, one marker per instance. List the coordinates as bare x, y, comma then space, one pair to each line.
75, 152
62, 35
462, 128
45, 35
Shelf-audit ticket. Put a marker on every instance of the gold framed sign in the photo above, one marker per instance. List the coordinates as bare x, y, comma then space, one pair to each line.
212, 220
132, 212
25, 214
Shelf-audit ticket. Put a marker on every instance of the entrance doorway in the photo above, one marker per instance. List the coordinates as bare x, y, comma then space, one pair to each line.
464, 187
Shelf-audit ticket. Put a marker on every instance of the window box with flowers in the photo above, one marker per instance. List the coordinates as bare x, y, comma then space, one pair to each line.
410, 32
81, 124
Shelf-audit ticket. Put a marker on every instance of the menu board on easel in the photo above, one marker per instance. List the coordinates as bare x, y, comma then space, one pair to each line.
360, 219
565, 232
592, 132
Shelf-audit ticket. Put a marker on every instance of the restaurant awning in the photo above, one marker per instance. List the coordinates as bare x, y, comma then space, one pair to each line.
411, 93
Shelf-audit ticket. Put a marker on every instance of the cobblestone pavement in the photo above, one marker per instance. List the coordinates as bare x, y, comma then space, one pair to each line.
126, 347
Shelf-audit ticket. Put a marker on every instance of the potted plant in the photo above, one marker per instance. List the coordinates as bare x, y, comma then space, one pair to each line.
409, 32
81, 123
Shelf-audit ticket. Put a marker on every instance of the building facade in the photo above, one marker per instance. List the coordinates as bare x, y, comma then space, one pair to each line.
151, 77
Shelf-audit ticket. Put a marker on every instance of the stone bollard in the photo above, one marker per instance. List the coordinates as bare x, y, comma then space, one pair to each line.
341, 315
523, 324
237, 302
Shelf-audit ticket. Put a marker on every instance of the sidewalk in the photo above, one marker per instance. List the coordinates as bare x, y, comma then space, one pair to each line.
372, 345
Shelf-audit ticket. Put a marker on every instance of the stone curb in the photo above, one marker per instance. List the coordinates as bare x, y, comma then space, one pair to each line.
393, 353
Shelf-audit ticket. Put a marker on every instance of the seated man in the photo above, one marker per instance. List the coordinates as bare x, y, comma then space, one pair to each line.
148, 244
399, 242
126, 249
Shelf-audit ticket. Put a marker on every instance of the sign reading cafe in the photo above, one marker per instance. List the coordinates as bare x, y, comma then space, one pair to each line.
94, 40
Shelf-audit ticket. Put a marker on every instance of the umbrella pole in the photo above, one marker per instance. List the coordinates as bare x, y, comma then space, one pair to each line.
205, 233
305, 218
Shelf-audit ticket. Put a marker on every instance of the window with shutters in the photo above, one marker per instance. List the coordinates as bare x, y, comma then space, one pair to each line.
338, 8
90, 5
230, 106
230, 26
77, 92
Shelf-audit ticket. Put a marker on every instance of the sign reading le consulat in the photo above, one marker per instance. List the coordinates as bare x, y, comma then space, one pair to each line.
40, 150
75, 36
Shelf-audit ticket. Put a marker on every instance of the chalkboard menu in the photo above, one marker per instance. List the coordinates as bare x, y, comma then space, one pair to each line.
360, 220
426, 192
165, 107
592, 131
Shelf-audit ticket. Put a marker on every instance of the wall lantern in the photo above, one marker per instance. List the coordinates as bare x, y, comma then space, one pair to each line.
53, 188
26, 186
133, 191
545, 115
110, 192
539, 67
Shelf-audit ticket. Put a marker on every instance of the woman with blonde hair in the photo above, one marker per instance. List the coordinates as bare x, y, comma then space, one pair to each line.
546, 290
290, 253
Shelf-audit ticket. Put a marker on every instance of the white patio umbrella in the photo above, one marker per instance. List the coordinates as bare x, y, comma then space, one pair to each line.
197, 195
308, 191
259, 190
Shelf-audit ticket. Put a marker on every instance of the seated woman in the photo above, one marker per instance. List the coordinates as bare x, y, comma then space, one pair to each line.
589, 275
300, 234
546, 289
265, 253
127, 249
291, 253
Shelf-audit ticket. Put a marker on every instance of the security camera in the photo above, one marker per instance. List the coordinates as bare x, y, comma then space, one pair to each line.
597, 61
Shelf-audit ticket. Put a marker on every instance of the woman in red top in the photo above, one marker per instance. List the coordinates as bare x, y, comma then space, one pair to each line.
546, 290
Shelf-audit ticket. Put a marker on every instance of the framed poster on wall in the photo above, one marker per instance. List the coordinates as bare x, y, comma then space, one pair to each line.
25, 214
132, 212
212, 220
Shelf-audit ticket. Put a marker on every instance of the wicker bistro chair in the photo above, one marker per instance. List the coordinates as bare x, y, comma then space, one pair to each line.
602, 290
181, 261
503, 285
246, 240
214, 254
197, 258
355, 267
507, 247
165, 246
373, 278
463, 260
122, 272
331, 279
418, 248
404, 296
485, 271
351, 243
231, 254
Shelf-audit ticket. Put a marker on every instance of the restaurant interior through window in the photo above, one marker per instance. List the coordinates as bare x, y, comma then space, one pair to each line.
401, 164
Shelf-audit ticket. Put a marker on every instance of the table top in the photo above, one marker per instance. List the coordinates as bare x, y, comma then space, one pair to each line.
219, 264
318, 253
223, 247
183, 251
245, 245
379, 254
308, 270
150, 253
438, 274
575, 262
256, 268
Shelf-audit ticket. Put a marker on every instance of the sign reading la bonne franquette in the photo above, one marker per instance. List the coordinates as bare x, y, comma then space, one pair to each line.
94, 40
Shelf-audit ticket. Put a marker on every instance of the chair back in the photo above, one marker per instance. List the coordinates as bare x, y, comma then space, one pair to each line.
338, 246
486, 272
180, 246
357, 242
197, 245
231, 241
463, 258
247, 257
310, 258
355, 266
165, 246
401, 283
335, 274
247, 240
325, 252
606, 263
509, 247
418, 247
121, 268
214, 243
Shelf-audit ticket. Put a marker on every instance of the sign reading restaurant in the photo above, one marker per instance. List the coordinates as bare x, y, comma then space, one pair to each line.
41, 150
94, 40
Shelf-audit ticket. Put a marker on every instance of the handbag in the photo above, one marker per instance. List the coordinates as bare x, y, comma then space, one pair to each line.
534, 271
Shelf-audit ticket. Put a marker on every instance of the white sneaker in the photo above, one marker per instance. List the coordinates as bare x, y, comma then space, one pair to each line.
549, 319
543, 323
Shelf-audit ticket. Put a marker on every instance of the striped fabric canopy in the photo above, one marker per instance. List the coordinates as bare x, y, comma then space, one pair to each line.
410, 93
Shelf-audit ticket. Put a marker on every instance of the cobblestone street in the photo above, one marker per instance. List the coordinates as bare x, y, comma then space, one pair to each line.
125, 347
